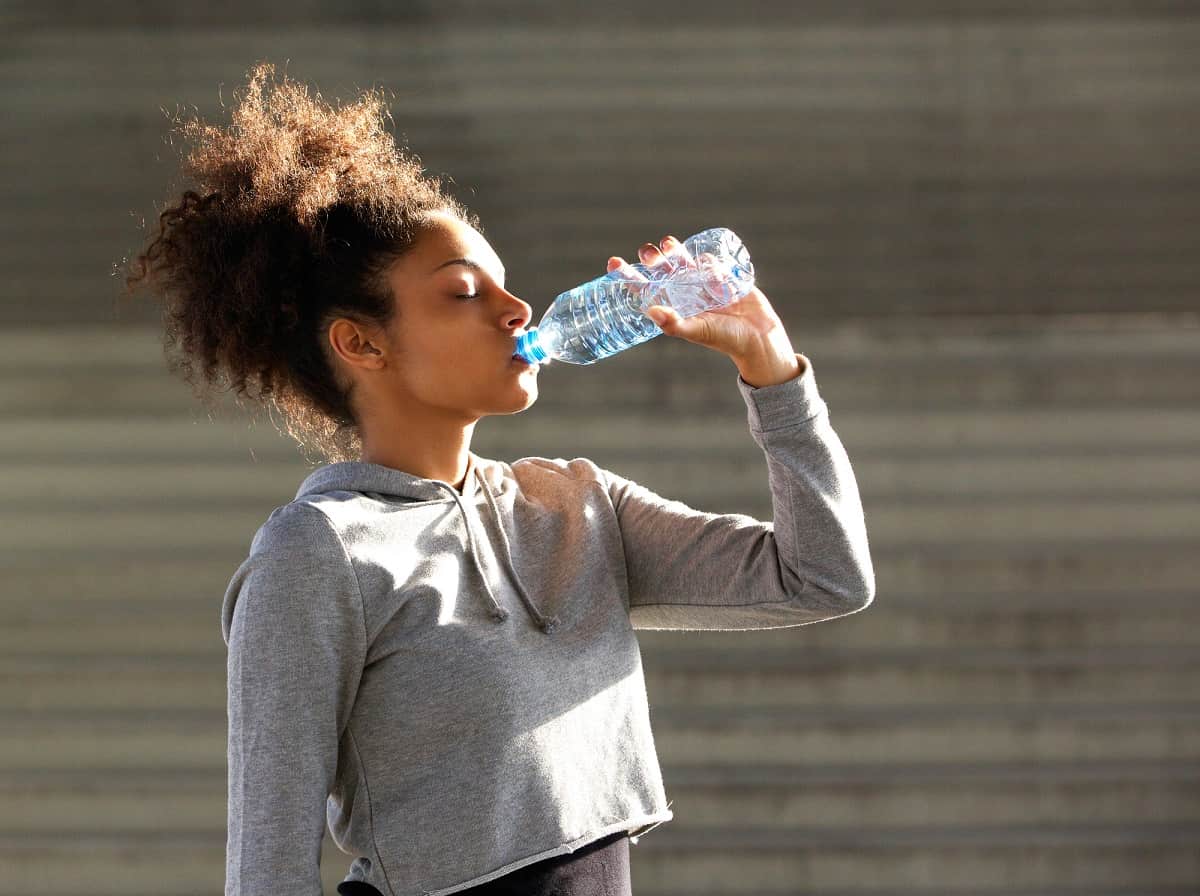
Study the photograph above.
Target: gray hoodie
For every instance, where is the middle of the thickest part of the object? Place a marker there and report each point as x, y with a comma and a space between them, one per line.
452, 680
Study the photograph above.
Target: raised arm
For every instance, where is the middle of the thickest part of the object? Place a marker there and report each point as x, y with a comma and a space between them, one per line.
693, 570
293, 622
688, 569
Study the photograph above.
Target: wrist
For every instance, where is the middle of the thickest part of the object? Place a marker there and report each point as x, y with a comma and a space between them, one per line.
770, 371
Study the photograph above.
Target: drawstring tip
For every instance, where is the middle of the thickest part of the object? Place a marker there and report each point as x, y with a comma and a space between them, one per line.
549, 624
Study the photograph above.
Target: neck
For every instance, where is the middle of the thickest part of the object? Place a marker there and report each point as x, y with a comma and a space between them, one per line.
422, 449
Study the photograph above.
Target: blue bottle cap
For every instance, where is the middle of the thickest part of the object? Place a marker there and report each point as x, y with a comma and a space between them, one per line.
529, 347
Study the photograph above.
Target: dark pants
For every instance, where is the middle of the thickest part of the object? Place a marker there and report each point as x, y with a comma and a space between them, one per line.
600, 868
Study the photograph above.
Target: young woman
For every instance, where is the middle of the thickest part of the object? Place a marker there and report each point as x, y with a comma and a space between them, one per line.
433, 652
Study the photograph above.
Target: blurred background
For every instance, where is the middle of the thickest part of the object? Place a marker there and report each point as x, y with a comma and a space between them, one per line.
979, 220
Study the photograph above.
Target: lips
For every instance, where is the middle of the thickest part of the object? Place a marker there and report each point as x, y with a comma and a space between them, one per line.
517, 356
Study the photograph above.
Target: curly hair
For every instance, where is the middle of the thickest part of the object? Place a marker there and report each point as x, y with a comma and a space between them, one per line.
298, 210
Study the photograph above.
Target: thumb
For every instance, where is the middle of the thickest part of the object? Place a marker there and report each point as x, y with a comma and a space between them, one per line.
698, 329
666, 318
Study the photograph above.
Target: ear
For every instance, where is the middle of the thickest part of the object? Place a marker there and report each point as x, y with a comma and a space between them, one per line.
357, 345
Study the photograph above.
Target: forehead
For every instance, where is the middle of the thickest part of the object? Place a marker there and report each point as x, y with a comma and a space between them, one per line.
446, 237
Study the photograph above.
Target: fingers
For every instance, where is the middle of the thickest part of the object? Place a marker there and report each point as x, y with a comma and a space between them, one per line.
623, 269
655, 262
650, 254
635, 281
671, 256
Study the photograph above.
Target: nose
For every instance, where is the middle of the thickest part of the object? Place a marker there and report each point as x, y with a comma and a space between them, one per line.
518, 313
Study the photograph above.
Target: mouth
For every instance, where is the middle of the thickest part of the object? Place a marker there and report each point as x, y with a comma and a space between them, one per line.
518, 357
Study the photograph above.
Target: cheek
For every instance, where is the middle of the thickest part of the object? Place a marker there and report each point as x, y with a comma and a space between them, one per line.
446, 367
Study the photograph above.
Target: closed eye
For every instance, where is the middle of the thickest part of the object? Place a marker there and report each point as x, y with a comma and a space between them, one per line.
473, 295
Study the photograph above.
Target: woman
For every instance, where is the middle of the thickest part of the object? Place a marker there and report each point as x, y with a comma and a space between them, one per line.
431, 651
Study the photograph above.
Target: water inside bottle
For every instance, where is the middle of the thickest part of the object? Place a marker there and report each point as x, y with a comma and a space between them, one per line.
600, 318
607, 315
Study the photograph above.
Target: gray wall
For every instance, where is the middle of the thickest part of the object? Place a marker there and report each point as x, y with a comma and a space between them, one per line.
978, 220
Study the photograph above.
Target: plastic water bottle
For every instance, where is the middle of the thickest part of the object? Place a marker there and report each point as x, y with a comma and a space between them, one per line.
607, 315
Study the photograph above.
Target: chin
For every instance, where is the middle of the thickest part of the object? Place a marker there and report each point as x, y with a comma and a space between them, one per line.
514, 404
530, 397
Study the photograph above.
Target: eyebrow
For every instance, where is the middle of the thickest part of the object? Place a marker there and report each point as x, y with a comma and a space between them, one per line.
473, 265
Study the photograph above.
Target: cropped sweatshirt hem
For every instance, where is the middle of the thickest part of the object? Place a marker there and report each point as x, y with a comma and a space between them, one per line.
562, 849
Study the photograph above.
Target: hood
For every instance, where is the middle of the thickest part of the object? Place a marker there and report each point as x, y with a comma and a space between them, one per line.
483, 477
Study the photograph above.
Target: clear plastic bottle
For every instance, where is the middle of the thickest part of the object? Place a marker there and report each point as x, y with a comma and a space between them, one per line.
607, 315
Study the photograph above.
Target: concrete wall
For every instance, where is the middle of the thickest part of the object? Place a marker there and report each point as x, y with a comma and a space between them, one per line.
978, 220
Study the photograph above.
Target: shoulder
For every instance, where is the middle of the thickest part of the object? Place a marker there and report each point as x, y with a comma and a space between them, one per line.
578, 469
300, 525
297, 565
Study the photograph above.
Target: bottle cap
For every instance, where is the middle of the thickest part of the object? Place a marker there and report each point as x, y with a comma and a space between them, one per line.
529, 347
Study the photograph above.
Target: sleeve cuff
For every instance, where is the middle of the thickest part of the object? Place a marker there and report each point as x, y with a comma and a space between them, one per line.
785, 404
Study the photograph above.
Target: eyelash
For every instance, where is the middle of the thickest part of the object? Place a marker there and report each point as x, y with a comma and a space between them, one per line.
473, 295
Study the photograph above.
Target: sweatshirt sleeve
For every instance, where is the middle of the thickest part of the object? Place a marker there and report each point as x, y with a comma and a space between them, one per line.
292, 619
692, 570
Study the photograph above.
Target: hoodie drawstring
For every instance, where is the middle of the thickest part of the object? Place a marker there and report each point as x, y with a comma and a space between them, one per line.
545, 623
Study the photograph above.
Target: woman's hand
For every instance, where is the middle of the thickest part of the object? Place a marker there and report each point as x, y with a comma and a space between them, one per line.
748, 330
